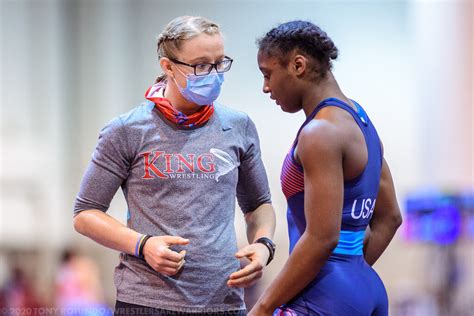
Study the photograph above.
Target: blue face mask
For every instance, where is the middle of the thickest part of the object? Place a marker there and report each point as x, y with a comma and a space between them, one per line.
202, 90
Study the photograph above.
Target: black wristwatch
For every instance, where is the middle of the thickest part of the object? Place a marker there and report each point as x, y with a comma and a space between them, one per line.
270, 245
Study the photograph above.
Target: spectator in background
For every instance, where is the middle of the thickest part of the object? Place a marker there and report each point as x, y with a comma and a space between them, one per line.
78, 289
19, 295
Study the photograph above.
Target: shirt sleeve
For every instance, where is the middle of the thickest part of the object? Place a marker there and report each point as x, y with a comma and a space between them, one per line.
252, 187
107, 170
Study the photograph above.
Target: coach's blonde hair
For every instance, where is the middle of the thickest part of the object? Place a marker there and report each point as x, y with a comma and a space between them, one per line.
180, 29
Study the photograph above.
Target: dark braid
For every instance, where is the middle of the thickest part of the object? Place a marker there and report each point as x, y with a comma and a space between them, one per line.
304, 37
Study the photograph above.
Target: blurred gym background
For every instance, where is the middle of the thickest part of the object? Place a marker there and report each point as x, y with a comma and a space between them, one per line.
69, 67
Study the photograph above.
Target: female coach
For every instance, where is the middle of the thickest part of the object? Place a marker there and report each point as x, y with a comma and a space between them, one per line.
181, 159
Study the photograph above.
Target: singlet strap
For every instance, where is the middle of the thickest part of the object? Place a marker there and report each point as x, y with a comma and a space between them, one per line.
360, 116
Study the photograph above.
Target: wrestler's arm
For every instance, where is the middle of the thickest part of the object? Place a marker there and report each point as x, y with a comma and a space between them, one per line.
385, 220
323, 178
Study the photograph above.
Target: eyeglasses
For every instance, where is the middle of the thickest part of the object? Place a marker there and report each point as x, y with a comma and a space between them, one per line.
206, 68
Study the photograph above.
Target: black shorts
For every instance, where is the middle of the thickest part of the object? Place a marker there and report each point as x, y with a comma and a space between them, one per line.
125, 309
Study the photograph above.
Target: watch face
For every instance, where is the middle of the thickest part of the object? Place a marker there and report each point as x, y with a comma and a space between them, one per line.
271, 243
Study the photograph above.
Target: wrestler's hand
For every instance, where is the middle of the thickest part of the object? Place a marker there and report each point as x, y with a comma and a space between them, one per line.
258, 255
161, 258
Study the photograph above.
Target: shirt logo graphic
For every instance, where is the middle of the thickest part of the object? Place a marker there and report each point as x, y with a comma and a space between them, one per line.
212, 165
224, 162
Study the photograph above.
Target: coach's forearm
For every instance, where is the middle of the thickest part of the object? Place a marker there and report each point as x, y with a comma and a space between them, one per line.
261, 222
106, 230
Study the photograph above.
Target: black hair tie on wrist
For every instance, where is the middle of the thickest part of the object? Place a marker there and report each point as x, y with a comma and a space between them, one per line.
142, 245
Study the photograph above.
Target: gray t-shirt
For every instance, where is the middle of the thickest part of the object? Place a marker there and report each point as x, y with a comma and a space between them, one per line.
180, 183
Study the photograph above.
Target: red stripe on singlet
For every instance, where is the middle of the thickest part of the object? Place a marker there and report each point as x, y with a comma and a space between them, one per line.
292, 178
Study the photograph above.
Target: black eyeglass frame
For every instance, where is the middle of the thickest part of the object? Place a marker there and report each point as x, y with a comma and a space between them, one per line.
211, 66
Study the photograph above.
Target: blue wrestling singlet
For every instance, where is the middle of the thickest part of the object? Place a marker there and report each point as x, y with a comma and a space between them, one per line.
346, 284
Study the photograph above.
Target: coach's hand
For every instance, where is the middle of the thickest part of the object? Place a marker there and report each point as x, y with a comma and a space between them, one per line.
161, 258
258, 255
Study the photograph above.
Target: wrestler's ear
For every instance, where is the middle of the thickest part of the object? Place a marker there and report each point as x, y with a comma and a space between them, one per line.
298, 65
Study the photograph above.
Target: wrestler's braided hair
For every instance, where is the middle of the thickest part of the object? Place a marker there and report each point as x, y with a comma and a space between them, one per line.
304, 37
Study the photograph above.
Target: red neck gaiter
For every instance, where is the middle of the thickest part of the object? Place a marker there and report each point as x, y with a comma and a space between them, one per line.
182, 120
